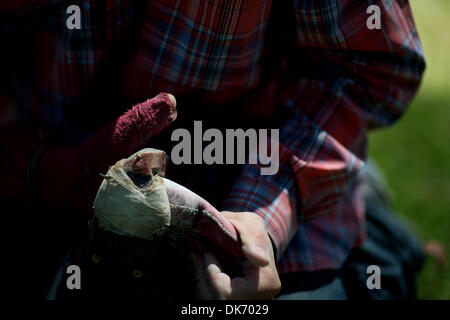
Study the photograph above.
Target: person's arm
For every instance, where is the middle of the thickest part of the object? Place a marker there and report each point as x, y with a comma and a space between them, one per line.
341, 80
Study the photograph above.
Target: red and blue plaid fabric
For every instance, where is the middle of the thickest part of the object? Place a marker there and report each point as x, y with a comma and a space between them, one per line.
338, 80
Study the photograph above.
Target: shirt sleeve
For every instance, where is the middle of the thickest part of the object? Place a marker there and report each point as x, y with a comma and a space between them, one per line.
340, 79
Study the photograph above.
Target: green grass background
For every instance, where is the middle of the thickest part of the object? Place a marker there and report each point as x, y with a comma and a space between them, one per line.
415, 153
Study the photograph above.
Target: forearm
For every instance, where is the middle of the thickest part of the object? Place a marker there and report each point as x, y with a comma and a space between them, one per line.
336, 89
315, 172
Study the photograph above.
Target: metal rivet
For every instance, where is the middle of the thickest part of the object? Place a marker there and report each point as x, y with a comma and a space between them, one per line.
137, 274
96, 258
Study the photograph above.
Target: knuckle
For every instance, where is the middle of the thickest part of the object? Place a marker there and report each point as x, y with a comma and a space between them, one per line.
277, 285
256, 218
273, 282
274, 289
261, 233
225, 295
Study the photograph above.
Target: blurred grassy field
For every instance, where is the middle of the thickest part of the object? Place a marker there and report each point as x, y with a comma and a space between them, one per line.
415, 153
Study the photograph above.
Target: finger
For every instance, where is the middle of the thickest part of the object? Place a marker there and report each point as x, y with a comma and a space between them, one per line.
243, 287
225, 287
220, 281
204, 290
173, 107
253, 235
129, 133
256, 283
150, 116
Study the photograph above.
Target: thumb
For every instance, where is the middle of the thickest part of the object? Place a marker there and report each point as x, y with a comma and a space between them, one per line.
144, 121
129, 133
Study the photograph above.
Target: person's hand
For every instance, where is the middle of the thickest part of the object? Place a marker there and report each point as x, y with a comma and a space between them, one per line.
259, 278
71, 176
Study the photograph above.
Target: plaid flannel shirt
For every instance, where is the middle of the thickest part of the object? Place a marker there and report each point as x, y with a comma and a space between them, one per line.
338, 80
